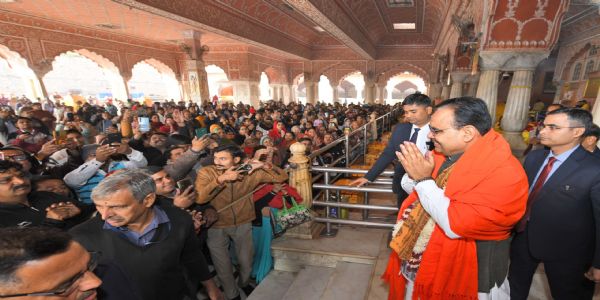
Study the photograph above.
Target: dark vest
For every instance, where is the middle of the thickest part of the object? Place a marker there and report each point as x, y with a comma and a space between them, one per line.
159, 270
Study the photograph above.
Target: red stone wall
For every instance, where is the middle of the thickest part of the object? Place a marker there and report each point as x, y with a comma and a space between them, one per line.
39, 41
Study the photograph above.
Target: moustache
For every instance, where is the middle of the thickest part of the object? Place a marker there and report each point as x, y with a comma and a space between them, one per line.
86, 294
21, 186
115, 219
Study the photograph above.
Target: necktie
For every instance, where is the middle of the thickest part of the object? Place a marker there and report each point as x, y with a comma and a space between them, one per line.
534, 193
413, 137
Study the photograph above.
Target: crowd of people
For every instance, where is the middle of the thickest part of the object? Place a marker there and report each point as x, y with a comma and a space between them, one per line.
165, 197
171, 200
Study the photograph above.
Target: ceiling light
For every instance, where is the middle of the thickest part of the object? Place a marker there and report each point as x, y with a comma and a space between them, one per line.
319, 29
401, 3
107, 26
7, 1
404, 26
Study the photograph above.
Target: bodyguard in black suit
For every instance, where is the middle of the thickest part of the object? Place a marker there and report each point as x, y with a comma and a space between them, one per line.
561, 227
417, 111
590, 140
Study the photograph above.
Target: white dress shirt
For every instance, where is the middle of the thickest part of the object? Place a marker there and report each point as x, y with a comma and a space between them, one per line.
422, 138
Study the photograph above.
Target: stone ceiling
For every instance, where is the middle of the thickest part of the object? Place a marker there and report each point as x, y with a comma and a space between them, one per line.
293, 28
109, 16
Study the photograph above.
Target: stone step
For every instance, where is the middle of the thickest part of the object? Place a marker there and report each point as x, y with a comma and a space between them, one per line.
274, 286
351, 244
310, 283
350, 281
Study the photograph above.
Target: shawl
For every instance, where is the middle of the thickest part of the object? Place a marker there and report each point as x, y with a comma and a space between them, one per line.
277, 201
488, 195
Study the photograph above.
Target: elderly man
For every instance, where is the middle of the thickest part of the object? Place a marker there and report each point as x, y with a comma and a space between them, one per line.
41, 262
155, 245
453, 233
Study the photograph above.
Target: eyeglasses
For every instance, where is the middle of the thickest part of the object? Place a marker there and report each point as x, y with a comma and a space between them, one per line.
553, 127
20, 157
67, 287
436, 131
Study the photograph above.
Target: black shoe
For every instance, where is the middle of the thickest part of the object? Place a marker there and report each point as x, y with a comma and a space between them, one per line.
248, 290
239, 297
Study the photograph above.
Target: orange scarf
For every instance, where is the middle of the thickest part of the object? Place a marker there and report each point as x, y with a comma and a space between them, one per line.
488, 194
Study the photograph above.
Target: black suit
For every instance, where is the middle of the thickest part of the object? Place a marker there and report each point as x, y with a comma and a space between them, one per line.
400, 134
596, 152
563, 228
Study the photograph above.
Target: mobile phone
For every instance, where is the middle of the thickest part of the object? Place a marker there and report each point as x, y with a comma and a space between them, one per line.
244, 168
200, 132
183, 184
144, 124
113, 138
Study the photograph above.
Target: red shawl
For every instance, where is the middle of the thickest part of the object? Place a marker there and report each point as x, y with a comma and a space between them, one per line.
277, 201
488, 194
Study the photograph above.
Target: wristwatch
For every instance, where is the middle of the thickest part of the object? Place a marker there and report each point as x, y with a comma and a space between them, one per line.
423, 179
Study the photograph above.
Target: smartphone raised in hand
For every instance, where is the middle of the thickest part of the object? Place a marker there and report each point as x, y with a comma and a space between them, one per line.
183, 184
144, 124
244, 168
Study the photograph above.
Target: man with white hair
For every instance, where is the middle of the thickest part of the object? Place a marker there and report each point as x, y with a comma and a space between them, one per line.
155, 245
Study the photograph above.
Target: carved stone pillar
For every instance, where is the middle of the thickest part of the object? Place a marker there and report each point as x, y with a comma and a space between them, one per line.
558, 94
473, 83
369, 91
310, 91
458, 78
445, 92
487, 90
515, 114
275, 92
336, 93
281, 93
195, 77
435, 90
292, 95
246, 92
381, 96
40, 69
301, 179
126, 77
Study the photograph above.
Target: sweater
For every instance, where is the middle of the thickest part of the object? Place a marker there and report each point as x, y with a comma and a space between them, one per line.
165, 269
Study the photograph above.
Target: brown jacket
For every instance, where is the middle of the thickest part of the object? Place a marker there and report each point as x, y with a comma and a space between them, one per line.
219, 196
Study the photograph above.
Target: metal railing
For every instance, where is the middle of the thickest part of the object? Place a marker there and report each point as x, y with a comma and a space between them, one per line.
355, 145
380, 186
355, 140
383, 124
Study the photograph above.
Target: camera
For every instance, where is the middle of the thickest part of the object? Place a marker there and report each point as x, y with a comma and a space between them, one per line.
244, 168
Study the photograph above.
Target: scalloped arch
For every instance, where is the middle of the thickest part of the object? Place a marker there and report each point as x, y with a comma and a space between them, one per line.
158, 65
100, 60
390, 72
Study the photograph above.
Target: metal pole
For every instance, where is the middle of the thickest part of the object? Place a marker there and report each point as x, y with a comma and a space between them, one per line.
348, 151
329, 232
365, 214
365, 144
353, 222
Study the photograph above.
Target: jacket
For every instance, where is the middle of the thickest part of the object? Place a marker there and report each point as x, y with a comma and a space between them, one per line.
564, 222
219, 196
